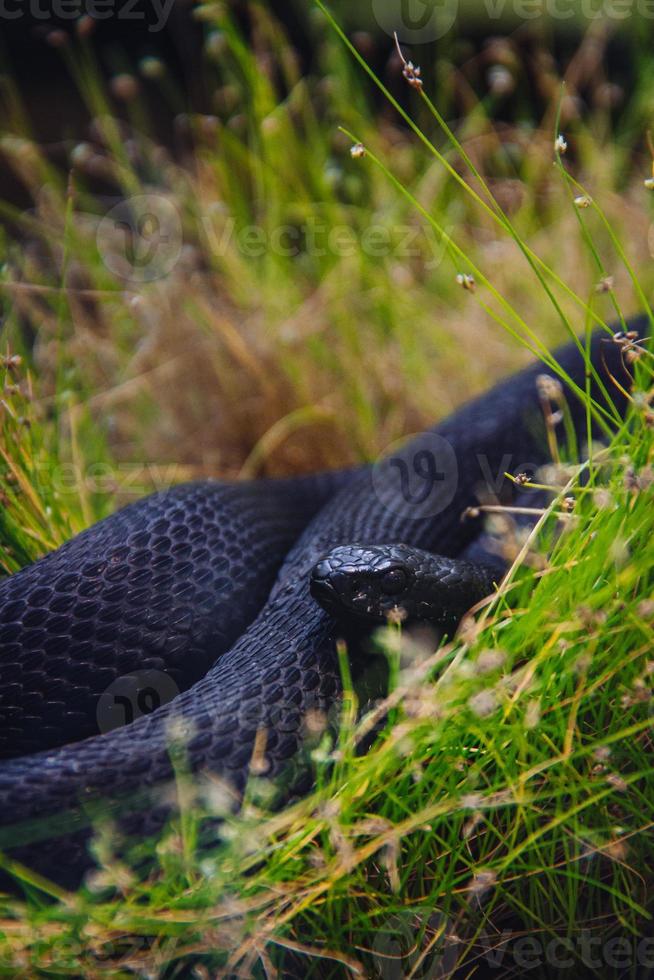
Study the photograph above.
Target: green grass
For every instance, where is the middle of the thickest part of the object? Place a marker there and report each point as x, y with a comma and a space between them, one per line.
511, 792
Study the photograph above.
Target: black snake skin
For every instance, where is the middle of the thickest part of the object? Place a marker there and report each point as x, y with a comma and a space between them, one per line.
283, 664
161, 588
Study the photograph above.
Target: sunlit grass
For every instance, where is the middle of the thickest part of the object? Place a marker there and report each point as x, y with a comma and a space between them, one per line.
512, 793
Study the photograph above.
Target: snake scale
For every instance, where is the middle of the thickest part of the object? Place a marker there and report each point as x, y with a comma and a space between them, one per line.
209, 584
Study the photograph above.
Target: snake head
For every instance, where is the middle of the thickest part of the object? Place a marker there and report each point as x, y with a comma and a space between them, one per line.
371, 583
365, 582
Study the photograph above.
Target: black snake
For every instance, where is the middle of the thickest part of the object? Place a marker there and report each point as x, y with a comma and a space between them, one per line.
208, 586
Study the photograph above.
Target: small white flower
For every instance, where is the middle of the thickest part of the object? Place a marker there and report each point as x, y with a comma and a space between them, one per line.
617, 782
532, 715
357, 151
560, 144
603, 499
490, 660
483, 703
500, 80
466, 282
549, 387
81, 154
605, 285
482, 882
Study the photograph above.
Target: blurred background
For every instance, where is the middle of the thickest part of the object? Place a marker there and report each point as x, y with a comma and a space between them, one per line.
201, 278
122, 34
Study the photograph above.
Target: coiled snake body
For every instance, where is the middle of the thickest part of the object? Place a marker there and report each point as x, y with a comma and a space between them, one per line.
180, 584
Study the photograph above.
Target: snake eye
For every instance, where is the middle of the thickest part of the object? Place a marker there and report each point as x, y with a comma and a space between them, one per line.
393, 581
